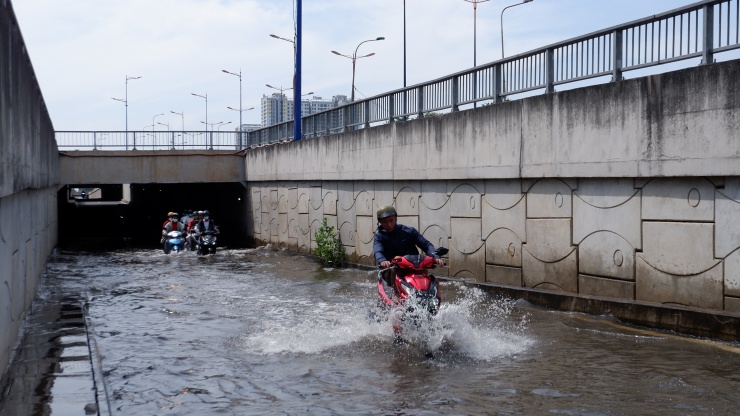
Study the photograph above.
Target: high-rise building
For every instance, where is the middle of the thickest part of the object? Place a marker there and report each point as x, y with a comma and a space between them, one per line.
278, 108
245, 140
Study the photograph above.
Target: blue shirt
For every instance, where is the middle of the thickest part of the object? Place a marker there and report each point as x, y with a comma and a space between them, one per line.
402, 241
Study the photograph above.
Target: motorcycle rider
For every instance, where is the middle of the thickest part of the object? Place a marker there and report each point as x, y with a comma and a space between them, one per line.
192, 240
206, 224
186, 218
395, 240
172, 224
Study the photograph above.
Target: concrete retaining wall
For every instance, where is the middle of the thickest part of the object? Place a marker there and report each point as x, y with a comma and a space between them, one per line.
29, 172
682, 123
670, 241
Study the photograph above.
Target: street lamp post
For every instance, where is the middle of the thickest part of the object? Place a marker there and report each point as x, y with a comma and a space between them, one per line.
241, 144
236, 109
210, 147
221, 124
125, 101
404, 60
354, 58
475, 47
205, 97
182, 134
502, 24
297, 132
309, 101
153, 122
281, 89
475, 30
241, 131
181, 115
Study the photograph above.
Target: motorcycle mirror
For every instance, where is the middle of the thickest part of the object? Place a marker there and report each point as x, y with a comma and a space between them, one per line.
441, 251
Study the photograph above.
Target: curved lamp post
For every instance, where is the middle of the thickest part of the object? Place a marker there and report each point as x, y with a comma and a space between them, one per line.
297, 130
155, 123
502, 23
475, 47
182, 134
205, 97
354, 58
125, 101
240, 102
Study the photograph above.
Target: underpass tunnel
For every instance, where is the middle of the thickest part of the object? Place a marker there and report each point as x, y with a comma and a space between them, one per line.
131, 215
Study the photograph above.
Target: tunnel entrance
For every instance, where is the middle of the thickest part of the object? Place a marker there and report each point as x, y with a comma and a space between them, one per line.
132, 215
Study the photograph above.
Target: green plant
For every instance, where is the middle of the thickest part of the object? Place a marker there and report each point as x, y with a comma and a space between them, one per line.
329, 249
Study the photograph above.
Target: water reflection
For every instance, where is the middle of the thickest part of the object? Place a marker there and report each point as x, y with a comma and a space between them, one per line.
264, 332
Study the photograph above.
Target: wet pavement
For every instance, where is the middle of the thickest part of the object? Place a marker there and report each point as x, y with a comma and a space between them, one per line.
137, 332
54, 367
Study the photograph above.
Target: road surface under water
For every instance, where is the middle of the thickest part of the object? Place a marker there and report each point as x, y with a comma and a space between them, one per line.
268, 332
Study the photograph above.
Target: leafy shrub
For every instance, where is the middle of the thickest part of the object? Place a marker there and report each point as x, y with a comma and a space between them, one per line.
329, 249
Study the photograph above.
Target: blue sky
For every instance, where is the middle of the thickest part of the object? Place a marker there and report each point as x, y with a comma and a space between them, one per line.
82, 50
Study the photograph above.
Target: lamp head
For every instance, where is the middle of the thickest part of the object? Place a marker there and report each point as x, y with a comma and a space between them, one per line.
382, 38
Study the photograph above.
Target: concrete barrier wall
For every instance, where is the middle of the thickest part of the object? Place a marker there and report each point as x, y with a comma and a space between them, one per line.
29, 173
681, 123
627, 191
668, 241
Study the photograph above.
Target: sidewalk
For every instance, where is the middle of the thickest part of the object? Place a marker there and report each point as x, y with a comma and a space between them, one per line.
54, 366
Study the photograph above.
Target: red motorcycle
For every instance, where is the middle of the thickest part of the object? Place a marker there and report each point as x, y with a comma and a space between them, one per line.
411, 288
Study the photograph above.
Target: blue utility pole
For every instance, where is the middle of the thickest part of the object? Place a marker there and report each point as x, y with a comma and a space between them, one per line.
297, 134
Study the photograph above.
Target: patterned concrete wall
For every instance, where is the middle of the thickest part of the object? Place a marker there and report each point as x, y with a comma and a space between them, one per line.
672, 241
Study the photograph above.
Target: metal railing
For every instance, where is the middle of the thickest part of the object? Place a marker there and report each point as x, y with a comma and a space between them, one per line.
702, 29
148, 140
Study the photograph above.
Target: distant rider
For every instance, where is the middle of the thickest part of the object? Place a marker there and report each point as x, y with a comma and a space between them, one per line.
206, 224
164, 225
172, 224
186, 218
192, 240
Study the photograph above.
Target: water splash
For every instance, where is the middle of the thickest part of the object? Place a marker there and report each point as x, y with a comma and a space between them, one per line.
470, 324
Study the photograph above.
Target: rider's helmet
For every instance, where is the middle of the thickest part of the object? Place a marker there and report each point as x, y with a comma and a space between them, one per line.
386, 211
174, 215
169, 214
206, 213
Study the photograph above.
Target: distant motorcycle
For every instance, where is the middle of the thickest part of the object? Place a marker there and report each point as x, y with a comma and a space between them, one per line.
174, 242
207, 243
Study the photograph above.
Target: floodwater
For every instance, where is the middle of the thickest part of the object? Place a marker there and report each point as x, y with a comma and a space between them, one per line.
257, 331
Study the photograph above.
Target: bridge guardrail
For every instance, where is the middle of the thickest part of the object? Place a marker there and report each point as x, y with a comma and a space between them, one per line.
148, 140
700, 29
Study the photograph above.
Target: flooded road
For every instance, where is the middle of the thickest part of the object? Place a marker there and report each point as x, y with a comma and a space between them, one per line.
268, 332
